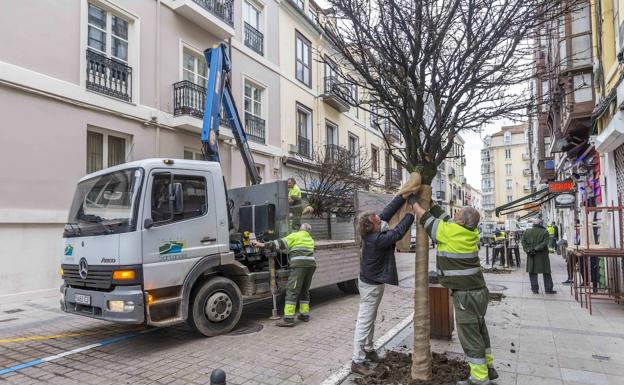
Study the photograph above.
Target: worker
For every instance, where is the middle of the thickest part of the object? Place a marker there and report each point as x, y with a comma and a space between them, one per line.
552, 241
295, 203
301, 266
499, 246
459, 269
535, 244
377, 268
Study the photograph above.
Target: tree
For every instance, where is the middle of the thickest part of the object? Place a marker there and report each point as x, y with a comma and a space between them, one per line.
335, 174
437, 68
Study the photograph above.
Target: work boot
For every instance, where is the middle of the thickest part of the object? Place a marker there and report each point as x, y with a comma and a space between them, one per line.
361, 369
372, 356
566, 282
471, 381
492, 373
551, 292
304, 317
535, 291
285, 323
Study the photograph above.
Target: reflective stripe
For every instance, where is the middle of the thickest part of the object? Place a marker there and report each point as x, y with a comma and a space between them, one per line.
276, 244
445, 217
458, 255
429, 221
454, 273
289, 310
434, 230
478, 372
477, 361
306, 249
302, 257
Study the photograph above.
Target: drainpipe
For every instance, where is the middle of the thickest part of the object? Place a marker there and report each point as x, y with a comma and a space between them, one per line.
157, 75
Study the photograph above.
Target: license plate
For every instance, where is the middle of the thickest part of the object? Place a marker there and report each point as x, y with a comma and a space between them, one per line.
83, 299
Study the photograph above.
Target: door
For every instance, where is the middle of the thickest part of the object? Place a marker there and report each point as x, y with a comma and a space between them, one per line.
183, 210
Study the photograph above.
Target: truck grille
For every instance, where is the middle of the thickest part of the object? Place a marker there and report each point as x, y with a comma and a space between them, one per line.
98, 277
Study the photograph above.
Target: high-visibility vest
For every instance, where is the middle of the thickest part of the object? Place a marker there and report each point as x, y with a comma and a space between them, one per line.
300, 248
457, 261
551, 230
295, 193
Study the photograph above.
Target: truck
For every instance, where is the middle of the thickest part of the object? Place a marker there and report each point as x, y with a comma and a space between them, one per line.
163, 241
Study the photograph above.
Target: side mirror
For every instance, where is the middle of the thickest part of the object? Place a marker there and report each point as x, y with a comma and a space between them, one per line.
178, 198
148, 223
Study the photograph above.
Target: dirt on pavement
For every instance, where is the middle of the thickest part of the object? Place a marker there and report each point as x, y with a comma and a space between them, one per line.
395, 369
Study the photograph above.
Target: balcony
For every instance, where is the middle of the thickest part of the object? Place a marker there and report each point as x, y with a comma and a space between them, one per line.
391, 132
462, 179
214, 16
254, 39
393, 178
303, 146
108, 76
254, 128
488, 206
189, 101
451, 173
526, 188
337, 94
546, 170
440, 195
334, 153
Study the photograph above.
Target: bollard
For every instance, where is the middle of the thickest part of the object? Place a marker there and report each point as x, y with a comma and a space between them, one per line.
487, 253
217, 377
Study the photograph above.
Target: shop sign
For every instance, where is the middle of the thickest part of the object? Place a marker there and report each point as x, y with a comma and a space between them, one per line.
565, 201
564, 186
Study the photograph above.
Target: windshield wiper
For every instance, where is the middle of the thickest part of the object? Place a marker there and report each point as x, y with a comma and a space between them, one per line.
90, 218
74, 228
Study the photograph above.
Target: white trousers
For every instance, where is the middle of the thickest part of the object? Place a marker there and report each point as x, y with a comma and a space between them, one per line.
370, 297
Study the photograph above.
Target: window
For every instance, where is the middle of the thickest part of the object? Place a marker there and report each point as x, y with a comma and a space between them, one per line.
354, 150
619, 33
253, 99
194, 194
331, 133
107, 33
191, 154
507, 137
304, 130
375, 159
303, 70
581, 51
260, 170
509, 184
194, 68
252, 22
252, 15
373, 114
104, 150
313, 13
507, 153
582, 88
508, 169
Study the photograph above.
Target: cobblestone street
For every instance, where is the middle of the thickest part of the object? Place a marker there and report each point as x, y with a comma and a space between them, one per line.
256, 352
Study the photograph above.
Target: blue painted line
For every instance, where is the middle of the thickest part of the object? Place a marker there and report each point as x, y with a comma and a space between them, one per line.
55, 357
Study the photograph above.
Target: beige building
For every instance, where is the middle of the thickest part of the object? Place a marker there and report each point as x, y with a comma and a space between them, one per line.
449, 185
95, 83
505, 172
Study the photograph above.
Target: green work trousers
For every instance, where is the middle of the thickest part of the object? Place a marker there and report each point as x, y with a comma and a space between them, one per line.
470, 309
295, 212
298, 288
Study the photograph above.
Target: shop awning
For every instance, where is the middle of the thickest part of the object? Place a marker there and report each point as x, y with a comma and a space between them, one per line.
531, 202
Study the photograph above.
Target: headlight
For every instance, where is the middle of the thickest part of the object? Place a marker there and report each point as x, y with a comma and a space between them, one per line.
120, 306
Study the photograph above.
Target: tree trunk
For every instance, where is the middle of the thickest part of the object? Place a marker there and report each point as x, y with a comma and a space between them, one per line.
421, 357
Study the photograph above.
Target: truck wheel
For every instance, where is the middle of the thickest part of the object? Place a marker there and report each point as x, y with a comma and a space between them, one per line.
216, 307
349, 287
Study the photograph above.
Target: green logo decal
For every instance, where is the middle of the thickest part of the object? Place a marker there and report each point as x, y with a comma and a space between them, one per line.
69, 250
171, 247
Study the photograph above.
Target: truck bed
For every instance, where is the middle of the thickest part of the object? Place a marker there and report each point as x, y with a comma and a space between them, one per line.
336, 261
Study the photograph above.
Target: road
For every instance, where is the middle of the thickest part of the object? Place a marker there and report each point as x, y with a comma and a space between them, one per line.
39, 344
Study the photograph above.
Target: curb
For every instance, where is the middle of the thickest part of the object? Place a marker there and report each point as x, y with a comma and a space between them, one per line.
345, 370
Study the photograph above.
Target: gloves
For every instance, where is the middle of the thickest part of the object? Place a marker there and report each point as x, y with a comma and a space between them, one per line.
411, 199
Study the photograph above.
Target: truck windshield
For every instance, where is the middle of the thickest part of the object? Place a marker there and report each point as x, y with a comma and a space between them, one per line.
105, 204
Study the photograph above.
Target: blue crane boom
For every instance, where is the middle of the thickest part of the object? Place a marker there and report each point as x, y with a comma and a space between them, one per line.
219, 93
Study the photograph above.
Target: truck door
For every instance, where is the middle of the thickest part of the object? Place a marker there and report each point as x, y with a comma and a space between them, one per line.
179, 227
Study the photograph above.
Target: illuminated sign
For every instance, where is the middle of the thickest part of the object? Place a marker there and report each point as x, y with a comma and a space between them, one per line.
563, 186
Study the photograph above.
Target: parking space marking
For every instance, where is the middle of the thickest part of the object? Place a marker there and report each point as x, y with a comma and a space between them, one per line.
55, 357
39, 338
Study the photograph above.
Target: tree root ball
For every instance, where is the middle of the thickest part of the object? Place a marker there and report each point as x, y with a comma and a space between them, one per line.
395, 370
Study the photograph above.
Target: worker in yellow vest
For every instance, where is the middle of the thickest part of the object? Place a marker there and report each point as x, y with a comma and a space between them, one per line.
295, 203
459, 269
301, 266
552, 240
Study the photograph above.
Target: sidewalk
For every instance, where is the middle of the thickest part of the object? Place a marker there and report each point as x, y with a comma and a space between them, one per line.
545, 339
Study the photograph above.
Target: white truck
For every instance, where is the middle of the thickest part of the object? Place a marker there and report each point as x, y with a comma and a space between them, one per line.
161, 241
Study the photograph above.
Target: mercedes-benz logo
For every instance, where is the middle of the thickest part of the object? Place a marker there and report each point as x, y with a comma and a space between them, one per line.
83, 268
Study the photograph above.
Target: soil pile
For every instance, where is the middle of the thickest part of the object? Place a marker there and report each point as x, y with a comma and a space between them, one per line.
395, 370
496, 271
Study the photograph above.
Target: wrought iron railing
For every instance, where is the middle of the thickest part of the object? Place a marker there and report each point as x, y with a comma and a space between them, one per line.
220, 8
393, 177
254, 39
333, 86
303, 146
189, 99
109, 76
391, 130
254, 128
334, 153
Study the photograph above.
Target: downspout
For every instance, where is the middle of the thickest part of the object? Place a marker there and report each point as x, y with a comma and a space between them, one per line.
157, 75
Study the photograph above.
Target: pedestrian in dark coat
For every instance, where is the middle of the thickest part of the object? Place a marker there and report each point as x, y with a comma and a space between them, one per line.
535, 243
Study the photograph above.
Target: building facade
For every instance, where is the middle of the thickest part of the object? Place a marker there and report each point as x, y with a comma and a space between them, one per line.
104, 82
505, 173
449, 185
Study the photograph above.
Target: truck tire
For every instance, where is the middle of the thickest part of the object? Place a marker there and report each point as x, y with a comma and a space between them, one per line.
349, 287
216, 307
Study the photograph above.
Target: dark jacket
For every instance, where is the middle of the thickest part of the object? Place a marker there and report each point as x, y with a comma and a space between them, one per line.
378, 264
535, 244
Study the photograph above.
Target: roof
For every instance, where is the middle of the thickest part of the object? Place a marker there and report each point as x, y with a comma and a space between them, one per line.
517, 129
152, 163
